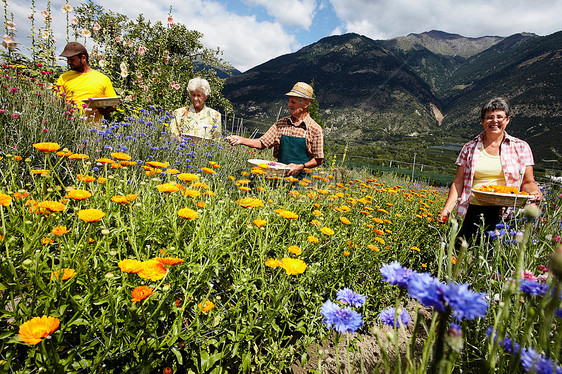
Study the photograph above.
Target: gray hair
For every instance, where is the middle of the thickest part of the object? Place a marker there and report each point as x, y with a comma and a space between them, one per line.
199, 84
497, 103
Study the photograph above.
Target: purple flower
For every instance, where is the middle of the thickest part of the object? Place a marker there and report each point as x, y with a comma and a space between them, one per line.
465, 303
348, 297
389, 317
395, 274
427, 290
342, 320
537, 363
533, 288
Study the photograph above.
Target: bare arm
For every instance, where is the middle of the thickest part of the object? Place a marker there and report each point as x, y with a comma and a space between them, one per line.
530, 186
239, 140
454, 193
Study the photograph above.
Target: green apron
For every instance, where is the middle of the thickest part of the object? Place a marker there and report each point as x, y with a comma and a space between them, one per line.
292, 150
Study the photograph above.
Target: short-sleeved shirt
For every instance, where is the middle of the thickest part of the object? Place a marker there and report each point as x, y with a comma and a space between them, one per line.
205, 125
78, 86
515, 156
307, 128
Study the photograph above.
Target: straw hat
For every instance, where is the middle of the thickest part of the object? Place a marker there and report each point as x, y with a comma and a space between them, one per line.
301, 89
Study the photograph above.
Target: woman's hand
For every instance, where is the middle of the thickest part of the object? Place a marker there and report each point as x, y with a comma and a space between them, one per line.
443, 216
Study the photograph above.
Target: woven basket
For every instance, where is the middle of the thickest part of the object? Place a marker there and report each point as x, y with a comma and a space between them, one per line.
500, 199
102, 102
275, 169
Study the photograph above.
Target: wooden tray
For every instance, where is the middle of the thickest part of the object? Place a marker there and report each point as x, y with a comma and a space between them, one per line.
102, 102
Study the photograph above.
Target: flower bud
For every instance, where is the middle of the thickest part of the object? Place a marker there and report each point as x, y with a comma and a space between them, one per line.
531, 211
105, 231
454, 337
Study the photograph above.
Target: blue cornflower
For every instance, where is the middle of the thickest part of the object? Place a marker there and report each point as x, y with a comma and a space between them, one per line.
348, 297
537, 363
389, 317
533, 288
465, 303
395, 274
341, 319
427, 290
95, 168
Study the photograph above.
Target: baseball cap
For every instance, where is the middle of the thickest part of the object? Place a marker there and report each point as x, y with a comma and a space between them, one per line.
73, 49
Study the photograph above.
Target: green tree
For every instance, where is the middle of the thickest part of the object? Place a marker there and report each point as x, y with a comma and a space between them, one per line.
314, 110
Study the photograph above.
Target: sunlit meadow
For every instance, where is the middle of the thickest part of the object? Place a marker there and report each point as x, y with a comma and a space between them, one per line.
124, 250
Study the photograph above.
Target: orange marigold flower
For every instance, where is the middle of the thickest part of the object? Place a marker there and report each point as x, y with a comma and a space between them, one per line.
37, 328
380, 240
293, 266
346, 253
85, 178
121, 156
378, 232
206, 306
128, 163
327, 231
63, 274
291, 179
169, 261
288, 214
244, 188
120, 199
168, 187
78, 194
273, 263
191, 193
156, 164
260, 222
140, 293
201, 204
208, 170
46, 241
316, 212
52, 206
101, 180
315, 222
47, 146
90, 215
59, 230
188, 177
78, 156
152, 269
172, 171
295, 250
373, 248
5, 200
188, 213
312, 239
105, 160
345, 221
249, 202
415, 249
131, 196
39, 172
130, 265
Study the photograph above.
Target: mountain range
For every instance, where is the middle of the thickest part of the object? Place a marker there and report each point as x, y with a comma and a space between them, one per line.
426, 86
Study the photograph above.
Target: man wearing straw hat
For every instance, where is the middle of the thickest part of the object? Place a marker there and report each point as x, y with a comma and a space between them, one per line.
83, 82
296, 140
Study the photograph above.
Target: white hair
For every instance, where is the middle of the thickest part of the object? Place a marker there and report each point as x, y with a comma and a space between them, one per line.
199, 84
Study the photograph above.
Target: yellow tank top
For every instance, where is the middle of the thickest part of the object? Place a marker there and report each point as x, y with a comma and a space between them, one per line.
488, 171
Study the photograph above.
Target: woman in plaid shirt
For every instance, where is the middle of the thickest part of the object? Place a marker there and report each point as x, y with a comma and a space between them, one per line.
492, 158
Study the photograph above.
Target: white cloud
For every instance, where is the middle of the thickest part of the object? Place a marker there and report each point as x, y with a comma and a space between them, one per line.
292, 13
383, 19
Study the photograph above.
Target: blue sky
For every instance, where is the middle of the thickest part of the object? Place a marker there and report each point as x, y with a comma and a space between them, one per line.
251, 32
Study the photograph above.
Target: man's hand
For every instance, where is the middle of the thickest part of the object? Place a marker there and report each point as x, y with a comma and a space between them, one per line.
294, 169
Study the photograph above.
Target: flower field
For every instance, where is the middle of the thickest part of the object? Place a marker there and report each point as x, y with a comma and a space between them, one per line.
124, 250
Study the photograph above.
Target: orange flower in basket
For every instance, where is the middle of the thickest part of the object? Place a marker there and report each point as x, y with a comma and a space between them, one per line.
37, 328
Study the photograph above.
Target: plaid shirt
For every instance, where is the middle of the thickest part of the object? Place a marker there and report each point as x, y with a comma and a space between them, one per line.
307, 128
515, 155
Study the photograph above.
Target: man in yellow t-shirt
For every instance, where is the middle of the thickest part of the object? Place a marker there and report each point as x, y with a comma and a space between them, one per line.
83, 82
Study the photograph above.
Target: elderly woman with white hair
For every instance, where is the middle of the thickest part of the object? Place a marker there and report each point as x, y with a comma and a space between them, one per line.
197, 121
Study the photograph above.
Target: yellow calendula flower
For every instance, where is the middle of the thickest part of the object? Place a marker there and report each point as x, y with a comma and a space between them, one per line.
327, 231
373, 248
130, 265
168, 187
191, 193
78, 156
249, 202
78, 194
380, 240
273, 263
415, 249
293, 266
153, 270
91, 215
38, 328
287, 214
120, 199
63, 274
208, 170
260, 222
345, 221
295, 250
5, 200
140, 293
206, 306
59, 230
156, 164
312, 239
187, 177
315, 222
121, 156
188, 213
51, 206
47, 146
316, 212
